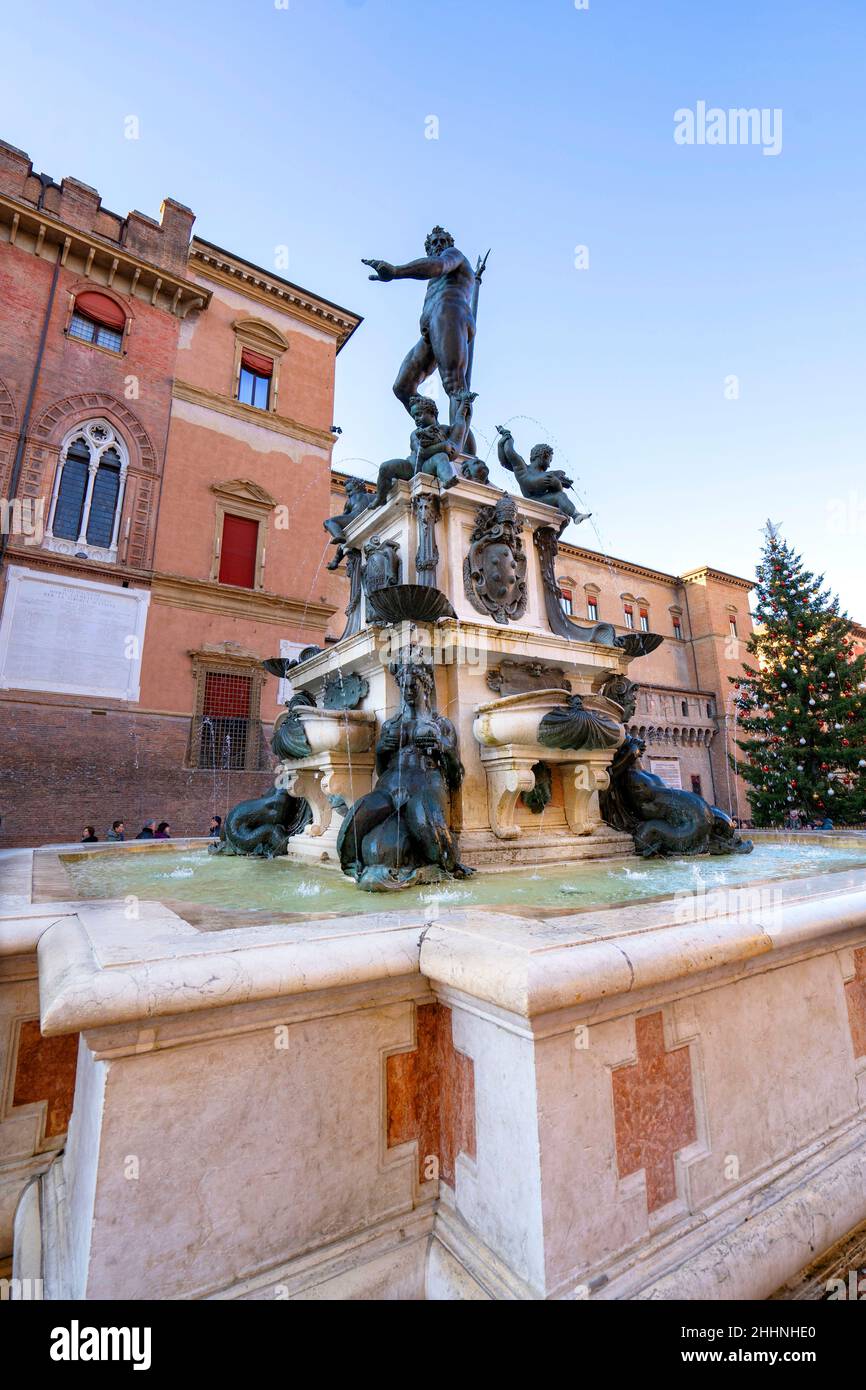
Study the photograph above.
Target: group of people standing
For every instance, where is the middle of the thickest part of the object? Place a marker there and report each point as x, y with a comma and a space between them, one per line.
151, 830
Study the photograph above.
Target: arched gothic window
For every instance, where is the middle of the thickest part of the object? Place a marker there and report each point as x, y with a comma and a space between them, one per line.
88, 493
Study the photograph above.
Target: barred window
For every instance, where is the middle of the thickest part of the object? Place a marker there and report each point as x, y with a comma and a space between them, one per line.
226, 732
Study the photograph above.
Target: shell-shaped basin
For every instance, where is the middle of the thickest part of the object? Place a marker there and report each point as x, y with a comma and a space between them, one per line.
515, 718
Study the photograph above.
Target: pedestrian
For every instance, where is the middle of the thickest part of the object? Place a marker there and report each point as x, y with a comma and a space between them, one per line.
89, 837
147, 831
215, 827
117, 831
163, 831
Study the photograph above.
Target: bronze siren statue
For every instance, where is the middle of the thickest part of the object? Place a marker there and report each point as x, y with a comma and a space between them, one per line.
398, 834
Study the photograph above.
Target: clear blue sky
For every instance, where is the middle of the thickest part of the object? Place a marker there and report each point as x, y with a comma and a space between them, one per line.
305, 126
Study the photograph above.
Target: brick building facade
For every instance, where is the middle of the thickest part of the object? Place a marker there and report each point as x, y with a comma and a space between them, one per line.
165, 440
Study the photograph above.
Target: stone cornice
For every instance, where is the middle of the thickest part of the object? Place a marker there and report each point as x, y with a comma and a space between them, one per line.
180, 591
225, 654
97, 259
260, 284
55, 563
683, 690
720, 576
266, 420
629, 567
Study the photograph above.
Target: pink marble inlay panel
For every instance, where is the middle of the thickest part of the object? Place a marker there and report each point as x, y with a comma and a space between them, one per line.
855, 997
654, 1111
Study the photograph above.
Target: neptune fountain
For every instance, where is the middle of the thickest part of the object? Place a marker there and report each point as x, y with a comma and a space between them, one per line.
624, 1070
374, 779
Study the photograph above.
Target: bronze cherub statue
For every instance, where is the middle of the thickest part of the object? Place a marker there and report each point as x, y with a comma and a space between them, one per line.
537, 480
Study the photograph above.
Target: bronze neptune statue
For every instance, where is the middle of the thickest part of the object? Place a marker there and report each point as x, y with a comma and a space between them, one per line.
447, 321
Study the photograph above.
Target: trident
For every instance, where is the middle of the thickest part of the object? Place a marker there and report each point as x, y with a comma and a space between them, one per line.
479, 271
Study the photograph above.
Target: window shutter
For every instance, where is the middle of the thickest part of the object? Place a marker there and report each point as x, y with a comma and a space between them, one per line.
240, 544
101, 309
257, 362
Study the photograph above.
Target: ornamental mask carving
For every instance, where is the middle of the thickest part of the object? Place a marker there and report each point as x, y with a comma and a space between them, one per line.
494, 571
624, 693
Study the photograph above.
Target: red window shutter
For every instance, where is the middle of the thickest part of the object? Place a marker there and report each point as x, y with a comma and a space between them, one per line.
101, 309
644, 612
627, 608
256, 362
226, 696
238, 552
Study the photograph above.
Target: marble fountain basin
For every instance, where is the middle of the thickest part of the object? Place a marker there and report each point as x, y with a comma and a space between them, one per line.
514, 719
337, 730
237, 889
649, 1023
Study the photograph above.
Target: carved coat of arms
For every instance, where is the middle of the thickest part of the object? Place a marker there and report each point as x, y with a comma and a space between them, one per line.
494, 571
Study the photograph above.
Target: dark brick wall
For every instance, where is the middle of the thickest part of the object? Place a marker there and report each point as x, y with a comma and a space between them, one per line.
62, 766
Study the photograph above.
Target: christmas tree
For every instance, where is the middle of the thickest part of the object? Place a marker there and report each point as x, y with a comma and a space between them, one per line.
801, 703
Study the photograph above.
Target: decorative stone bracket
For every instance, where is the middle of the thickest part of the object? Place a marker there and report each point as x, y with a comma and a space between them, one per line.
322, 779
509, 770
507, 730
339, 768
581, 783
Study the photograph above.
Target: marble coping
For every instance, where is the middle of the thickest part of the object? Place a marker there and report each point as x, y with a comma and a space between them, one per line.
531, 972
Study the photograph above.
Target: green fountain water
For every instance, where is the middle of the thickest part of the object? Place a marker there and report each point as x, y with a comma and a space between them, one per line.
279, 886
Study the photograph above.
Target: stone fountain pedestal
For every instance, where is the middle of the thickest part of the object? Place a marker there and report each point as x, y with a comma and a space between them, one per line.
497, 673
483, 1106
337, 771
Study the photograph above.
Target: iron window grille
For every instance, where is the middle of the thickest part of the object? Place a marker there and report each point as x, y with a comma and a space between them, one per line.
226, 732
